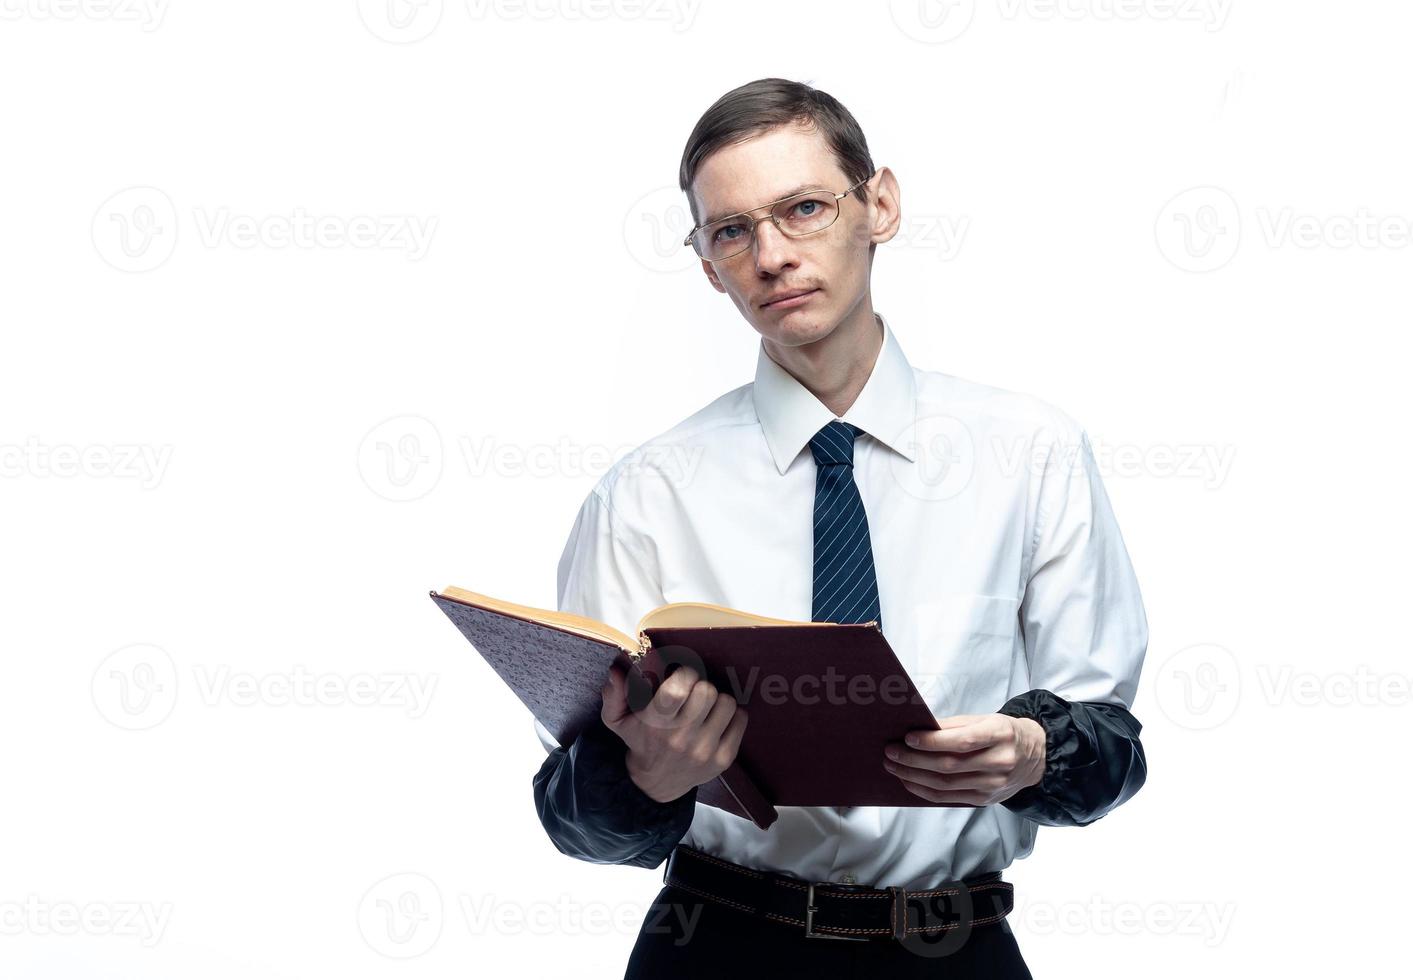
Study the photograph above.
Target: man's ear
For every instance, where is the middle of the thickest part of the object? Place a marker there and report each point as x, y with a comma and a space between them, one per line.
887, 207
710, 271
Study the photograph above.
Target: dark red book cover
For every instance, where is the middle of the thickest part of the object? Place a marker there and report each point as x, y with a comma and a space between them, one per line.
823, 699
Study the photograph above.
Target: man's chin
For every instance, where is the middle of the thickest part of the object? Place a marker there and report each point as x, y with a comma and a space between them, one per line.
797, 329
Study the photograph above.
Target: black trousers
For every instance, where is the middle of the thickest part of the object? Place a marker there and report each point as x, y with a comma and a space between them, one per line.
685, 937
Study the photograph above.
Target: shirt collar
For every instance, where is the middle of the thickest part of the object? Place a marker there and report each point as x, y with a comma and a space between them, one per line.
790, 414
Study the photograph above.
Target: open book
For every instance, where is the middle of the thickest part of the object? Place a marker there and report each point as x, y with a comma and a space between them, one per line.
823, 698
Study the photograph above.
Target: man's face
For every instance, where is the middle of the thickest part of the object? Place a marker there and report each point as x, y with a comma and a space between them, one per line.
833, 263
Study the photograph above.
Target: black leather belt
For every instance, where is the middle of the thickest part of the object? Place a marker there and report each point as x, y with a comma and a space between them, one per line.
831, 910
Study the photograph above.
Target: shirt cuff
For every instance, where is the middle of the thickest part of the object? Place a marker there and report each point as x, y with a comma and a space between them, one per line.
593, 811
612, 790
1093, 759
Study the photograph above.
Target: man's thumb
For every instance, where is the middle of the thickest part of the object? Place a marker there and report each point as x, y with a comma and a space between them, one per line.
615, 697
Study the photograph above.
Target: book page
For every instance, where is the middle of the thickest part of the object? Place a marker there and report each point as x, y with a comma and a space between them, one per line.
700, 614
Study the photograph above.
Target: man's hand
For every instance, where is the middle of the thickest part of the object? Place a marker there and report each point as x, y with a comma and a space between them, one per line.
687, 735
974, 760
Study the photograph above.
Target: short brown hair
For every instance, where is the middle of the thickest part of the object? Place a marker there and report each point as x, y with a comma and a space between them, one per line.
764, 104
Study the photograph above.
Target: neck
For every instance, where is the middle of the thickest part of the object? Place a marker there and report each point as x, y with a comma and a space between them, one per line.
836, 367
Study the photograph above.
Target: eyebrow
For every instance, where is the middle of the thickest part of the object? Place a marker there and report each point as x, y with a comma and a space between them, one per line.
779, 197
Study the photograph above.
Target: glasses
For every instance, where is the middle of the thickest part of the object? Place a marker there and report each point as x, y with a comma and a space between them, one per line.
796, 216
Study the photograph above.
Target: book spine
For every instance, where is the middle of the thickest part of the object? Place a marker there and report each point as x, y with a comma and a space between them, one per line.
748, 796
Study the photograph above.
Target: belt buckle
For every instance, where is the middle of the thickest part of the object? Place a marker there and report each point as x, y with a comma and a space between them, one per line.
810, 910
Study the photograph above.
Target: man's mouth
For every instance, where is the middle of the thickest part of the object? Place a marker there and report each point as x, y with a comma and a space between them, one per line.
792, 297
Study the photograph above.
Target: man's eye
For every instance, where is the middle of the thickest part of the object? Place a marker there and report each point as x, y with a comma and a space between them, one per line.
727, 233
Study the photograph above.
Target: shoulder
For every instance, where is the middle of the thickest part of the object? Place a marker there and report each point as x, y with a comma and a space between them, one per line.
669, 459
989, 411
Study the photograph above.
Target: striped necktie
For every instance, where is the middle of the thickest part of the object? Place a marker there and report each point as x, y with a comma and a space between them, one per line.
845, 585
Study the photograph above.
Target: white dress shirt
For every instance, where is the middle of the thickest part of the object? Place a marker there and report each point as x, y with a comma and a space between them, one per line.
1000, 569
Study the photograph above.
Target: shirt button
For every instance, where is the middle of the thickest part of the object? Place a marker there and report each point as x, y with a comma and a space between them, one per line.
848, 878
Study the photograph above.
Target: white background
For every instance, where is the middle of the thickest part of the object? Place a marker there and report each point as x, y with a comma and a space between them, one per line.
326, 428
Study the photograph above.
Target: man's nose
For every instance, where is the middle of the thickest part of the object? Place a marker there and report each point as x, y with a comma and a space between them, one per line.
773, 249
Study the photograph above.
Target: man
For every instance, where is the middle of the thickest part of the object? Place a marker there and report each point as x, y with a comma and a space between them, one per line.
845, 485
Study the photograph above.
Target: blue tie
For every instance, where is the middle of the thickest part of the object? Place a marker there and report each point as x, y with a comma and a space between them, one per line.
845, 585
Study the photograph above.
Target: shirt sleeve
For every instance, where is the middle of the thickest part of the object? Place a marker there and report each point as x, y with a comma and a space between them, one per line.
1086, 635
589, 806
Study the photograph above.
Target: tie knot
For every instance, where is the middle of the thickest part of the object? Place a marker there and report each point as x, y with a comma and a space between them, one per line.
834, 443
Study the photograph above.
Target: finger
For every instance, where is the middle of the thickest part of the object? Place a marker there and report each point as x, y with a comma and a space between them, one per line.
981, 732
997, 758
615, 695
735, 731
681, 711
957, 721
980, 781
671, 695
698, 705
719, 716
947, 797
